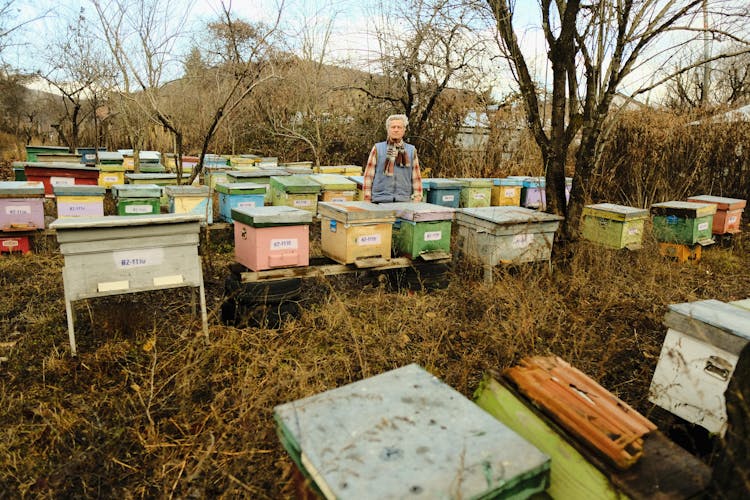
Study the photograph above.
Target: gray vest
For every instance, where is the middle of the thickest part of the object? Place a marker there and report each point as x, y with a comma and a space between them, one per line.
398, 187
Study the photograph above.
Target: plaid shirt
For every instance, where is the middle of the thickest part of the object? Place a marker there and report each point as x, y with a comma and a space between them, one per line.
369, 176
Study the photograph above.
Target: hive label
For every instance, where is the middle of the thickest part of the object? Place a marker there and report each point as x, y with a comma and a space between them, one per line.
448, 197
702, 226
284, 244
110, 179
433, 235
302, 203
10, 243
18, 210
633, 231
368, 239
62, 181
522, 240
732, 219
510, 193
139, 258
139, 209
479, 196
246, 204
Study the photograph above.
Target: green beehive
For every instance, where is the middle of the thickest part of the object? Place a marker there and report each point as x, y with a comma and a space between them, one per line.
683, 222
421, 229
614, 226
298, 191
475, 193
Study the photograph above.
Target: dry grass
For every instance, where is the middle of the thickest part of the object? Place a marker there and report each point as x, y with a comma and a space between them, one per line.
149, 410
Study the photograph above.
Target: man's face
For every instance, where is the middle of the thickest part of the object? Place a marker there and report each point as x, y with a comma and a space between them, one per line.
396, 130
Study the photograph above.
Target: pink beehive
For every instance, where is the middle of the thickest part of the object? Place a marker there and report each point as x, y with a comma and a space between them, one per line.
271, 237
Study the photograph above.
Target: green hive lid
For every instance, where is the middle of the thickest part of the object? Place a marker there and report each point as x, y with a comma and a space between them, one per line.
334, 182
444, 183
475, 182
353, 211
79, 190
406, 434
271, 216
153, 176
17, 188
301, 184
241, 188
721, 202
136, 190
186, 190
155, 168
419, 211
687, 209
617, 212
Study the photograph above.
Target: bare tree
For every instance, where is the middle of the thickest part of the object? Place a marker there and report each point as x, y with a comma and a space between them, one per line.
592, 49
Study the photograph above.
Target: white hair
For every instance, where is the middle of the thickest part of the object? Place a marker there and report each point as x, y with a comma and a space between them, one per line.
401, 118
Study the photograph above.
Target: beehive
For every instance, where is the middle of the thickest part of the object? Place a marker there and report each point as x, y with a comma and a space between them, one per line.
21, 206
257, 176
475, 193
534, 194
506, 192
110, 175
356, 231
494, 235
728, 214
404, 434
271, 237
137, 199
61, 174
335, 187
79, 201
421, 230
298, 191
683, 222
190, 200
445, 192
698, 357
239, 195
614, 226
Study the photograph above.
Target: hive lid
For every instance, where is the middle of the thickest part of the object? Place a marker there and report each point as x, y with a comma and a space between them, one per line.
186, 190
615, 212
509, 181
404, 434
109, 156
16, 188
356, 211
66, 223
438, 183
420, 212
256, 174
686, 209
241, 188
534, 182
359, 180
334, 182
79, 190
56, 165
712, 321
600, 420
721, 202
271, 216
475, 182
136, 190
300, 184
506, 215
111, 167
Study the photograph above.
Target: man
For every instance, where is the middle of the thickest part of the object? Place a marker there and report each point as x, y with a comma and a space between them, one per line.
392, 171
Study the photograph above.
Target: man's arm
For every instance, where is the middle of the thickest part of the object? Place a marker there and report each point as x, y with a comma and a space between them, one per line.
369, 174
416, 180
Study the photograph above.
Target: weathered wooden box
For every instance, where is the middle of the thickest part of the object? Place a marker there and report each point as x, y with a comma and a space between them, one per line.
79, 201
137, 199
14, 243
406, 434
683, 222
494, 235
61, 174
21, 205
355, 230
506, 192
298, 191
421, 230
271, 237
445, 192
190, 200
335, 187
728, 214
698, 357
239, 195
475, 193
115, 255
614, 226
32, 151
